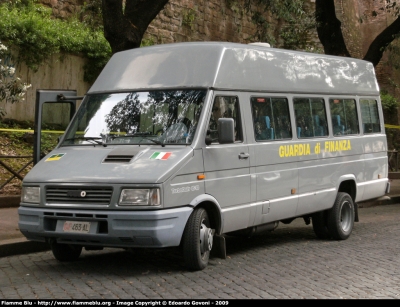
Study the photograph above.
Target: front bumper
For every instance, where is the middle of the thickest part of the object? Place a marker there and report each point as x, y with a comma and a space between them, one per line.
158, 228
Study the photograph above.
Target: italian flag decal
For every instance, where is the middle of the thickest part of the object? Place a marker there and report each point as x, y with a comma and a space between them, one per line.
159, 155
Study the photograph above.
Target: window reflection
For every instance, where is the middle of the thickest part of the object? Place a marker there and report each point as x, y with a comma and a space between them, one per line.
165, 117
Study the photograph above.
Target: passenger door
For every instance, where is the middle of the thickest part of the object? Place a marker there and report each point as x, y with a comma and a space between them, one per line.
275, 169
227, 166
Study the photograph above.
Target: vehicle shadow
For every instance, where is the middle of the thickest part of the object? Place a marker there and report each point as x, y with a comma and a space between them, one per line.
142, 262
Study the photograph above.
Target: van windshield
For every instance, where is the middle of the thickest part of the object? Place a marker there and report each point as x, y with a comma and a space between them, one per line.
155, 117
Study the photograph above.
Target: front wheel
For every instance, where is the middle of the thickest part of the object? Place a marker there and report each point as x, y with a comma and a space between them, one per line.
340, 219
66, 252
197, 240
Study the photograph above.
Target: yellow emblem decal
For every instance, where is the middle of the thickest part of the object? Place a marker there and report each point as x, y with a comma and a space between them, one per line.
55, 157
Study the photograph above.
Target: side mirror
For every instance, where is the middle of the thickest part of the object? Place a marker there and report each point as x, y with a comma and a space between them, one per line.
226, 131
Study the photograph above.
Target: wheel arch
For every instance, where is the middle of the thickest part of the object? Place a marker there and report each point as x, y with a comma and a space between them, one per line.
348, 185
211, 205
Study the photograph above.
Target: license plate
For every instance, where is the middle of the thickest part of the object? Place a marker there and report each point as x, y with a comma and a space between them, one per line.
74, 226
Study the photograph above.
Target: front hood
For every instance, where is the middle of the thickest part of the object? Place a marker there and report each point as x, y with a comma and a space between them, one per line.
117, 164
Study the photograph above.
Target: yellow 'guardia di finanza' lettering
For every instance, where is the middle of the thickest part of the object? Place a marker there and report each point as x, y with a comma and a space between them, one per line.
340, 145
294, 150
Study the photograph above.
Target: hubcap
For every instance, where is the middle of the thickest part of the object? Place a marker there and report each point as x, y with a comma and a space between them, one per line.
345, 216
206, 238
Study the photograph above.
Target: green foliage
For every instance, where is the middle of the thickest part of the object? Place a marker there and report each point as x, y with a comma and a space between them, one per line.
14, 141
22, 142
291, 27
296, 33
91, 15
188, 17
264, 32
48, 142
37, 35
394, 53
147, 42
389, 103
389, 106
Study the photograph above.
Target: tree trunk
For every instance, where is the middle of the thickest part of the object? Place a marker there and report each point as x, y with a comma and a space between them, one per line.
328, 28
378, 46
124, 26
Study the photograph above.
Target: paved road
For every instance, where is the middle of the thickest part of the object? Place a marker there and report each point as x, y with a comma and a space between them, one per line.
289, 263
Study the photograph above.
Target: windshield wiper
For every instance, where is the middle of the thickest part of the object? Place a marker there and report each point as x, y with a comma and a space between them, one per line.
154, 141
87, 138
143, 135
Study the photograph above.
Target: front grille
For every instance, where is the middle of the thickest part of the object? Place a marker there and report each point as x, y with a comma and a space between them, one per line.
79, 195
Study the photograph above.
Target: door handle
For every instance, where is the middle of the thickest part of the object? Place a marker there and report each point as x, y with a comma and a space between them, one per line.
244, 155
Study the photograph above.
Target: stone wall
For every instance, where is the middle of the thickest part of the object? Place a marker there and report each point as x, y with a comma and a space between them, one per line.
185, 20
201, 20
64, 8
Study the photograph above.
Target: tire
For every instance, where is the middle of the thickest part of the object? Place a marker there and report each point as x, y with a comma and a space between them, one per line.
340, 219
319, 221
66, 252
197, 240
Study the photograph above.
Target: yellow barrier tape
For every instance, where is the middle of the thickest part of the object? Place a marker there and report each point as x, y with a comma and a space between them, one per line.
51, 131
29, 130
392, 126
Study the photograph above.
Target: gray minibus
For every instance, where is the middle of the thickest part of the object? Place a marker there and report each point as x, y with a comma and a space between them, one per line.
181, 145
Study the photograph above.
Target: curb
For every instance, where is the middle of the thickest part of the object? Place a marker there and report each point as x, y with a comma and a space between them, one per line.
394, 175
21, 246
10, 201
385, 200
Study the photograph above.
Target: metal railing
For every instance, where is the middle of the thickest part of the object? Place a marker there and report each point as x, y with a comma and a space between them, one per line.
14, 173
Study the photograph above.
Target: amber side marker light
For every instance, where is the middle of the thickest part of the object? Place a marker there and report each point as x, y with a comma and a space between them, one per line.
201, 177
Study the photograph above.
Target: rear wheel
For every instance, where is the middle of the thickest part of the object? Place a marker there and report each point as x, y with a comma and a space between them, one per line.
66, 252
319, 221
340, 219
197, 240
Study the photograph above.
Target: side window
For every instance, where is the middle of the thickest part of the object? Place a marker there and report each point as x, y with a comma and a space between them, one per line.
225, 107
344, 116
370, 116
271, 119
310, 117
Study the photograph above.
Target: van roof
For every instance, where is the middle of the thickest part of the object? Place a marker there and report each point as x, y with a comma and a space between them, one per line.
233, 66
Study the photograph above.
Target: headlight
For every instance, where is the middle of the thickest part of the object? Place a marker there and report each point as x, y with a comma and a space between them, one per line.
139, 197
30, 195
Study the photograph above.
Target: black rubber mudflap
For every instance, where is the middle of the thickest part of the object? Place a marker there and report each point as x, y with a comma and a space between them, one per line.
219, 247
356, 213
